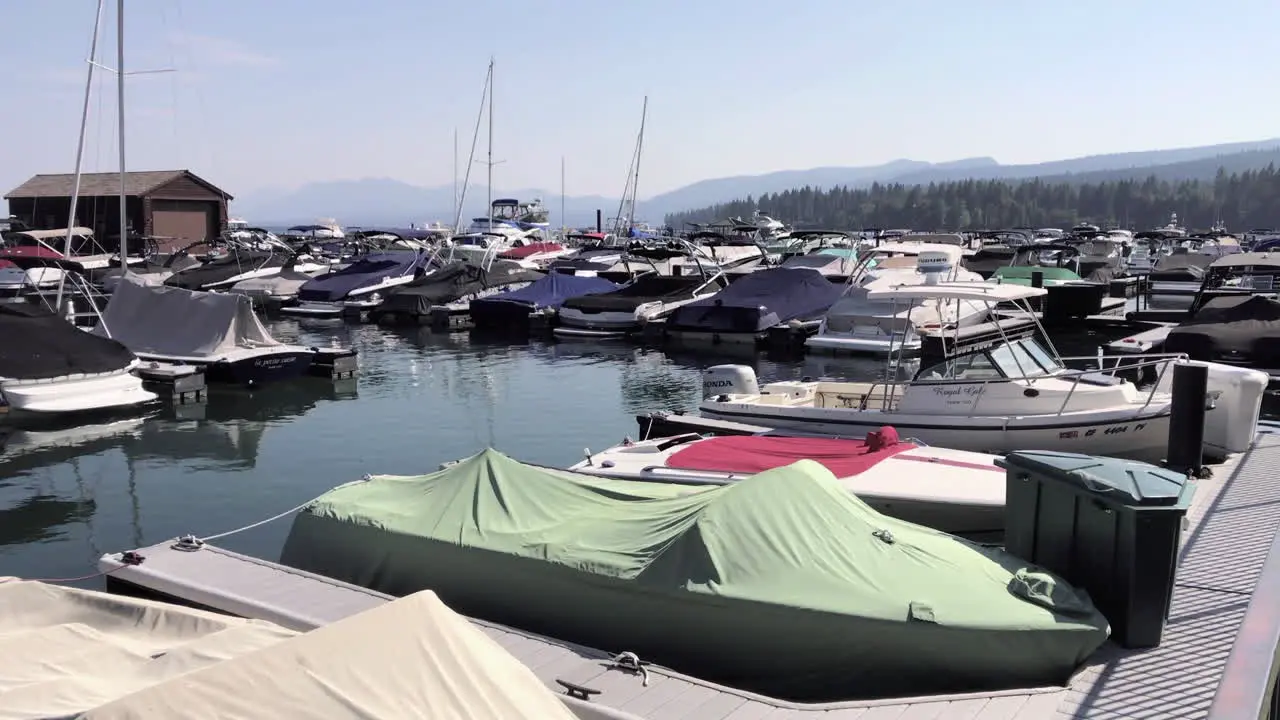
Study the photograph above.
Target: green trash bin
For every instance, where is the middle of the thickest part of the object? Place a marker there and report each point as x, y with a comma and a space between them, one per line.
1110, 526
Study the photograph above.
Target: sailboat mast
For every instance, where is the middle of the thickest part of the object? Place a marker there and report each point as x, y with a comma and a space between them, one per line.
635, 182
84, 122
490, 181
562, 220
455, 173
124, 220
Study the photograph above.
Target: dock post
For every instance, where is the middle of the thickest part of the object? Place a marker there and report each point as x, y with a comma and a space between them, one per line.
1037, 279
1186, 418
599, 221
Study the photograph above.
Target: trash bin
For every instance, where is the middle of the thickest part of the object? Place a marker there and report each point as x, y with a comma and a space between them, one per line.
1109, 526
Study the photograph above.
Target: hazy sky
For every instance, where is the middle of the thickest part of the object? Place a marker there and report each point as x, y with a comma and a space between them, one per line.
276, 93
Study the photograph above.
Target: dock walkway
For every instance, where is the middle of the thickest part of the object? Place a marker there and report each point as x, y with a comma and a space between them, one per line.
1231, 530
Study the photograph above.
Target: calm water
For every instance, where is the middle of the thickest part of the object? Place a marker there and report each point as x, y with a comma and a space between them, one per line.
421, 399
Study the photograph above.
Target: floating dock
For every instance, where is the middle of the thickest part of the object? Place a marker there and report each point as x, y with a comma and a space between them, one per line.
1217, 659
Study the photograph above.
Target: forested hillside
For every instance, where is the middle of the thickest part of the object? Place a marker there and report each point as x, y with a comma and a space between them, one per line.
1242, 200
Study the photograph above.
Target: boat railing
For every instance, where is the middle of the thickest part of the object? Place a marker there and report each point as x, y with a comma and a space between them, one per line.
1123, 363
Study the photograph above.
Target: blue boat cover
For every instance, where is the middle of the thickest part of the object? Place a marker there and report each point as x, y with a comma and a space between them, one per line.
368, 270
552, 290
759, 301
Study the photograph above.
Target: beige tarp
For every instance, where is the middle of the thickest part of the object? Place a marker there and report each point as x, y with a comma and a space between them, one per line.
412, 658
64, 651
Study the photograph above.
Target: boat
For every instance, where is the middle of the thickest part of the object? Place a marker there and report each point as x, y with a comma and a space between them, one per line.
510, 212
999, 396
744, 311
859, 325
217, 332
49, 366
630, 307
233, 263
510, 311
360, 286
97, 656
782, 584
535, 255
456, 283
954, 491
1239, 330
273, 290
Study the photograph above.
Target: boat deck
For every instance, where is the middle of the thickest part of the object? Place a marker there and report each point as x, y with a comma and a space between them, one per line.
1231, 529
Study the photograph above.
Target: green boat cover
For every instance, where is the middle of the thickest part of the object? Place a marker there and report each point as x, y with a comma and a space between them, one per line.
1021, 275
784, 583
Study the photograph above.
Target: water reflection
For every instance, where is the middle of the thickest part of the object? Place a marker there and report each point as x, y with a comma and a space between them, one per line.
39, 517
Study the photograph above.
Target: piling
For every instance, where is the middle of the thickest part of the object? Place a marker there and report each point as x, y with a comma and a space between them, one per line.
1186, 418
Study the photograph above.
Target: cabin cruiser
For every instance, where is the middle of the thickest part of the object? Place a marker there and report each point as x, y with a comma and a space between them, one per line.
512, 213
997, 397
49, 366
856, 324
954, 491
627, 309
217, 332
360, 286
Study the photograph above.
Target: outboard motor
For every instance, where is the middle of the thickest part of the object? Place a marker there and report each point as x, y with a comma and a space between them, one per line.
934, 265
729, 380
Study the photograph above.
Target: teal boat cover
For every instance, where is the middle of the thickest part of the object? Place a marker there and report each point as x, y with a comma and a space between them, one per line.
783, 584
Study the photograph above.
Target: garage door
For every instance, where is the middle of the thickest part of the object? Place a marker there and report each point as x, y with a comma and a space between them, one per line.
175, 223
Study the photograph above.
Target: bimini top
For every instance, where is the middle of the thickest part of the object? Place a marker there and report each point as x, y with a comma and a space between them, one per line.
978, 291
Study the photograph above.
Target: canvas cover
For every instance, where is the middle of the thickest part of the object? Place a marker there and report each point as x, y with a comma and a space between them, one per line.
223, 269
368, 270
175, 322
287, 283
759, 301
1247, 326
64, 651
551, 291
646, 288
451, 282
783, 583
413, 658
35, 344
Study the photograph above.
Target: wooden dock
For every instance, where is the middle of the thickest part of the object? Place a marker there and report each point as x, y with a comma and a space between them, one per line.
1216, 661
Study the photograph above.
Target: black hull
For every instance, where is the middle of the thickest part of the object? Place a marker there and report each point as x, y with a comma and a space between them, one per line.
261, 370
501, 316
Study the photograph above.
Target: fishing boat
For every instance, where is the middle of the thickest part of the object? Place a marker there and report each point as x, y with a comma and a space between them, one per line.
998, 396
217, 332
783, 583
49, 366
950, 490
857, 324
627, 309
360, 286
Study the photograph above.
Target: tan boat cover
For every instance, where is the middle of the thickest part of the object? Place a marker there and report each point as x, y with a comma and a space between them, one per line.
412, 658
163, 320
64, 651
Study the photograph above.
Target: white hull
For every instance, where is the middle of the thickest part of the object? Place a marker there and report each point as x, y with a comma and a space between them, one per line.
75, 394
868, 344
575, 323
358, 299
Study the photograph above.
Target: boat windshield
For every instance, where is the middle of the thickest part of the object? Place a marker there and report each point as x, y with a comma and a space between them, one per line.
1023, 358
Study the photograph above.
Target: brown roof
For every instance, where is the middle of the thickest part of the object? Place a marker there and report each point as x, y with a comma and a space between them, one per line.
103, 184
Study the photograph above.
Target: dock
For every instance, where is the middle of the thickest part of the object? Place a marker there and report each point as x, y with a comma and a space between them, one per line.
1217, 659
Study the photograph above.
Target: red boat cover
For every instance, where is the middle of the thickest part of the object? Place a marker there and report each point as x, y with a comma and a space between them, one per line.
525, 251
756, 453
30, 251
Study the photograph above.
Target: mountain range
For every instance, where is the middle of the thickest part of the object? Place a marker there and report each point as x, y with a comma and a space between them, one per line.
385, 201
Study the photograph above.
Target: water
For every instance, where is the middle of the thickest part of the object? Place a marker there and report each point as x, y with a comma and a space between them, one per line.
421, 399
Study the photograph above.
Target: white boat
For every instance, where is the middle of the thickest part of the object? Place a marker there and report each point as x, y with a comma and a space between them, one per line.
49, 366
950, 490
217, 332
858, 324
627, 309
1003, 396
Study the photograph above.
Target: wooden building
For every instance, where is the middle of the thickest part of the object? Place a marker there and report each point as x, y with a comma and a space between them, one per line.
176, 207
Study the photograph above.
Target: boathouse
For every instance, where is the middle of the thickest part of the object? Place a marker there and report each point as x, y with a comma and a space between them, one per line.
177, 207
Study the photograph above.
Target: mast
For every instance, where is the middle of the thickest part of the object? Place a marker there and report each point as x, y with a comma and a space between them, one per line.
490, 163
124, 220
562, 220
631, 211
84, 122
455, 172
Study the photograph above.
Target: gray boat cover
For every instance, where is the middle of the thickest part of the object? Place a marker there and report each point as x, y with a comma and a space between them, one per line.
412, 658
175, 322
783, 583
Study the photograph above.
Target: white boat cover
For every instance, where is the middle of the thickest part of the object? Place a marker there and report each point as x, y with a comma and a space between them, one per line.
412, 658
175, 322
64, 651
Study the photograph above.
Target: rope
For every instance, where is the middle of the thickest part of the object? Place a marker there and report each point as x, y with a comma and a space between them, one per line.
202, 540
128, 559
631, 662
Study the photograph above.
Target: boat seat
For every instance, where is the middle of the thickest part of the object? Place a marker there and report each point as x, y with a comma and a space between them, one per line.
856, 396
